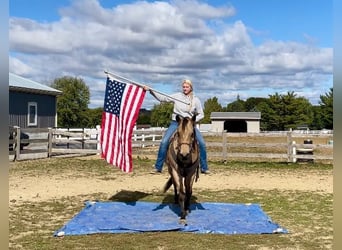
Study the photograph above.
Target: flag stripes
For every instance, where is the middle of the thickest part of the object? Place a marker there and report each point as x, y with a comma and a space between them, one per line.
121, 109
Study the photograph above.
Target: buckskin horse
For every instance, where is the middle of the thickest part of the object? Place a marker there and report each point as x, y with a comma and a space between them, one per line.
183, 163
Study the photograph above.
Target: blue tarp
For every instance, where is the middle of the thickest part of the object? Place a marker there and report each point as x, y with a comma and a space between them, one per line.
132, 217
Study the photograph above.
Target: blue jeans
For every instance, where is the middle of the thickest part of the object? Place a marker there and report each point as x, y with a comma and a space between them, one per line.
164, 144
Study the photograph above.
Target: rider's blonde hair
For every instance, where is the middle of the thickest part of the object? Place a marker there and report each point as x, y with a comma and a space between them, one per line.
189, 82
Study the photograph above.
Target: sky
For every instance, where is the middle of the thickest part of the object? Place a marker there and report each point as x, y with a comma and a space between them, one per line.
229, 49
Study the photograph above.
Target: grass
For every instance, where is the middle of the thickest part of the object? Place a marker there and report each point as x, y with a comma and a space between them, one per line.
307, 215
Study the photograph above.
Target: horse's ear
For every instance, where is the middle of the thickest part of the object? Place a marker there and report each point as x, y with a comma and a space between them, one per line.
178, 118
194, 118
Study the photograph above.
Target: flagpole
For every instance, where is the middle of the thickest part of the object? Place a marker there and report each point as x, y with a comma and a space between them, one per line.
141, 85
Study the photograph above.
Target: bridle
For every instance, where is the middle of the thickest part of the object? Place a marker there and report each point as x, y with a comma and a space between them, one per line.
190, 144
188, 161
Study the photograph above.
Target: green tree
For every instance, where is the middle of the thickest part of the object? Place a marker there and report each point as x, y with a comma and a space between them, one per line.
251, 104
210, 105
327, 112
161, 114
236, 106
144, 117
282, 112
73, 103
94, 117
269, 115
317, 120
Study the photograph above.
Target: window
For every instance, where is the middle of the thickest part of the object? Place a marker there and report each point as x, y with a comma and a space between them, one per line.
32, 114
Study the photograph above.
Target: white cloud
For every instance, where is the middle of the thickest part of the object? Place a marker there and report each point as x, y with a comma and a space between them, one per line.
164, 42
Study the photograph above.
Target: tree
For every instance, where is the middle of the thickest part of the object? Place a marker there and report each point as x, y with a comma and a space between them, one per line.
73, 103
236, 106
317, 120
251, 104
282, 112
299, 112
144, 117
270, 116
210, 105
94, 117
327, 112
161, 114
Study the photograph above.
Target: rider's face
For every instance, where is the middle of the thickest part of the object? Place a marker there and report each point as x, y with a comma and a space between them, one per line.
186, 88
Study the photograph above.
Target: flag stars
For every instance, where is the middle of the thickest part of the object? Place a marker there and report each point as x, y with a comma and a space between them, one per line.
115, 92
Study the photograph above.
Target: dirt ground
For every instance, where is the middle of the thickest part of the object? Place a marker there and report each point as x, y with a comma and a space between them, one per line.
43, 188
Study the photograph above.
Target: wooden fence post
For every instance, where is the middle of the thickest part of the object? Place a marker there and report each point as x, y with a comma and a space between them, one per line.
50, 135
224, 145
83, 138
294, 152
16, 146
289, 146
153, 139
68, 137
98, 145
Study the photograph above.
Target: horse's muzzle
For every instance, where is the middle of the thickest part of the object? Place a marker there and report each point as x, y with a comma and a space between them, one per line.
184, 159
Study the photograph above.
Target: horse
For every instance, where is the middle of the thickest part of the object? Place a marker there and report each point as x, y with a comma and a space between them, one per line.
182, 160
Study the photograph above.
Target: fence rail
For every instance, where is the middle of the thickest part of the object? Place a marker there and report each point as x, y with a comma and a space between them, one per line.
54, 142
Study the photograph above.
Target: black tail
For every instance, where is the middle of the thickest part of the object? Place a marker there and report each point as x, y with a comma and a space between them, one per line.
167, 184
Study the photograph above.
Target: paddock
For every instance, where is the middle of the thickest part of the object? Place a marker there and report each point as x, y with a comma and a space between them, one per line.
45, 193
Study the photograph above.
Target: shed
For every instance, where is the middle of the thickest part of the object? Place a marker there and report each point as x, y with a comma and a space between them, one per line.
31, 104
236, 122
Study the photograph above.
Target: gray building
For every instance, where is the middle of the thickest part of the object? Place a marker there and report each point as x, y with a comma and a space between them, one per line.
31, 104
231, 122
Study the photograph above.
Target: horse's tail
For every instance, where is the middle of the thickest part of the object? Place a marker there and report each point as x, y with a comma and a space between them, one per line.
167, 185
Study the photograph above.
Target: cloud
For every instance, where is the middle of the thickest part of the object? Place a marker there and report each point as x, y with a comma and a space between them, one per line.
163, 42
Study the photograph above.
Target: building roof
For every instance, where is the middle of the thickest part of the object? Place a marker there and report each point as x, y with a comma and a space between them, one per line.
235, 115
18, 83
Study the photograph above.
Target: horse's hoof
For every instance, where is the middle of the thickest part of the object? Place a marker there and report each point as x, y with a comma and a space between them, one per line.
182, 221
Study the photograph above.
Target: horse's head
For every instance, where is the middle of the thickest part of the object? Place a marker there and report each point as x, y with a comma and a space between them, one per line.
185, 137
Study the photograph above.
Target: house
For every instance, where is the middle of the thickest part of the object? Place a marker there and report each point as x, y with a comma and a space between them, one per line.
31, 104
248, 122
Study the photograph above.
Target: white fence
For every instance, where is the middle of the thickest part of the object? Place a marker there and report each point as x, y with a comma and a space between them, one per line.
61, 141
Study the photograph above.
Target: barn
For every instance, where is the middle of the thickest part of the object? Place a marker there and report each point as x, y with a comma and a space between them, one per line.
31, 104
235, 122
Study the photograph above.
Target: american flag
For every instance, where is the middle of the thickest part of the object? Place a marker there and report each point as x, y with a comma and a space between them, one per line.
121, 109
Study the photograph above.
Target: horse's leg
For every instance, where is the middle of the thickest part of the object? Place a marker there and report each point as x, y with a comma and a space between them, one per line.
176, 197
188, 194
189, 181
178, 189
187, 201
182, 197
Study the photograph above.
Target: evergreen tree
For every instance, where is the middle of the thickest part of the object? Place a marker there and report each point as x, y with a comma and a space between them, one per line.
283, 112
251, 104
317, 120
236, 106
327, 112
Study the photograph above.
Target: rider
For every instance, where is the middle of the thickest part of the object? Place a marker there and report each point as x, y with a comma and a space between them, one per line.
184, 110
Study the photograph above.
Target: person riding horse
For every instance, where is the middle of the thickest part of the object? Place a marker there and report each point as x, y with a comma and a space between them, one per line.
184, 110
